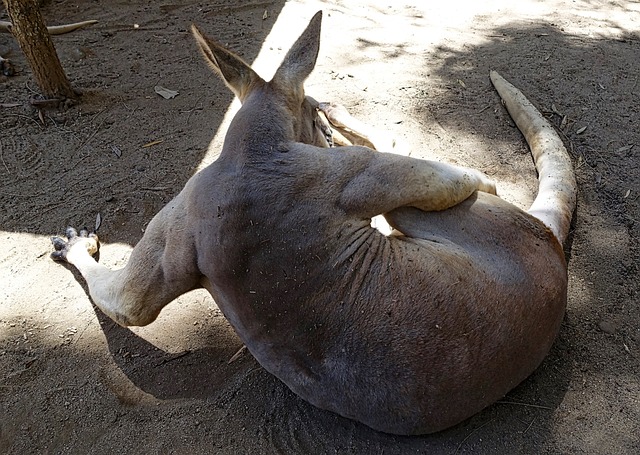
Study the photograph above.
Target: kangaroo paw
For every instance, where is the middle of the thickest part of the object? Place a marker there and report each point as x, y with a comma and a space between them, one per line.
74, 239
356, 132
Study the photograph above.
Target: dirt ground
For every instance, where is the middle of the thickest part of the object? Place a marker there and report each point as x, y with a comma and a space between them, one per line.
71, 381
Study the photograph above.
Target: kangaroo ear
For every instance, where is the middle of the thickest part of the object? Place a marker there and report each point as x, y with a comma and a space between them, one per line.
237, 74
301, 58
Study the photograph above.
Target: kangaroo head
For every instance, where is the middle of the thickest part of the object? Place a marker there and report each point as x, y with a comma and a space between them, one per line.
285, 92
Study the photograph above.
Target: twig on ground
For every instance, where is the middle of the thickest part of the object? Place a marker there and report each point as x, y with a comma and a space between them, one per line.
235, 356
528, 405
156, 188
471, 434
533, 420
23, 116
2, 159
172, 358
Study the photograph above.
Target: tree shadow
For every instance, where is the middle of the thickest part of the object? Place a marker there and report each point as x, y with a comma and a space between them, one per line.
124, 151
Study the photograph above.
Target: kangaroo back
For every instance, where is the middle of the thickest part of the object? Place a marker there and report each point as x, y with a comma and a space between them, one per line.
556, 199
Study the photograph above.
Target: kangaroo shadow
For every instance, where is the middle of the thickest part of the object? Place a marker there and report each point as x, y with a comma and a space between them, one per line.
524, 416
199, 373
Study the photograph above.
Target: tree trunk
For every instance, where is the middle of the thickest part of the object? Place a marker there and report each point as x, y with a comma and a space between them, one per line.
31, 33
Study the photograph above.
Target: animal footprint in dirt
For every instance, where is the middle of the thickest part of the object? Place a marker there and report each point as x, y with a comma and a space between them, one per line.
74, 239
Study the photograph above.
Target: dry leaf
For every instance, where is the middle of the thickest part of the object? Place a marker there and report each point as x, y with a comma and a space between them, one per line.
462, 84
565, 119
555, 110
626, 195
166, 93
115, 149
265, 15
10, 104
98, 222
581, 130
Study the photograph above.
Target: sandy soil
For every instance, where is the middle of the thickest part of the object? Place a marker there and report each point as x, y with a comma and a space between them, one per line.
73, 382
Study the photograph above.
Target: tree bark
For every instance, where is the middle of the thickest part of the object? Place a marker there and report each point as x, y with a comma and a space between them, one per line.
31, 33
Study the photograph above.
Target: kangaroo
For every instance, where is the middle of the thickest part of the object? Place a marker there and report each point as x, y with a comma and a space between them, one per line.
408, 333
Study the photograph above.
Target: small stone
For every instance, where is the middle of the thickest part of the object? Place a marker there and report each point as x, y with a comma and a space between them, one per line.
607, 327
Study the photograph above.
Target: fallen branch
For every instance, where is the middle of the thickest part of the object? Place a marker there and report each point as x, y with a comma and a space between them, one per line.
5, 27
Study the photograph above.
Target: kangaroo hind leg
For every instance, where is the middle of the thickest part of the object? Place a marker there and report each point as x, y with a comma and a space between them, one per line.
162, 266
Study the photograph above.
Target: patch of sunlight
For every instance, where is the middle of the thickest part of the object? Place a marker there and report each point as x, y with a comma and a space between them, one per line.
40, 292
611, 17
42, 299
381, 40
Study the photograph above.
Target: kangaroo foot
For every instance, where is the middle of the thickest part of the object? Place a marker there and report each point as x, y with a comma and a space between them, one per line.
74, 240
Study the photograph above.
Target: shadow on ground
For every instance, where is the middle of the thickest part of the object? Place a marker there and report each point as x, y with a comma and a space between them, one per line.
123, 151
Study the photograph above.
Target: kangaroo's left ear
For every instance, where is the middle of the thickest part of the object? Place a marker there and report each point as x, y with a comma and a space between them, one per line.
234, 71
301, 58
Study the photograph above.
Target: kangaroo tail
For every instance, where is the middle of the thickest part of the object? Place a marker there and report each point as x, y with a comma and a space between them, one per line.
556, 199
